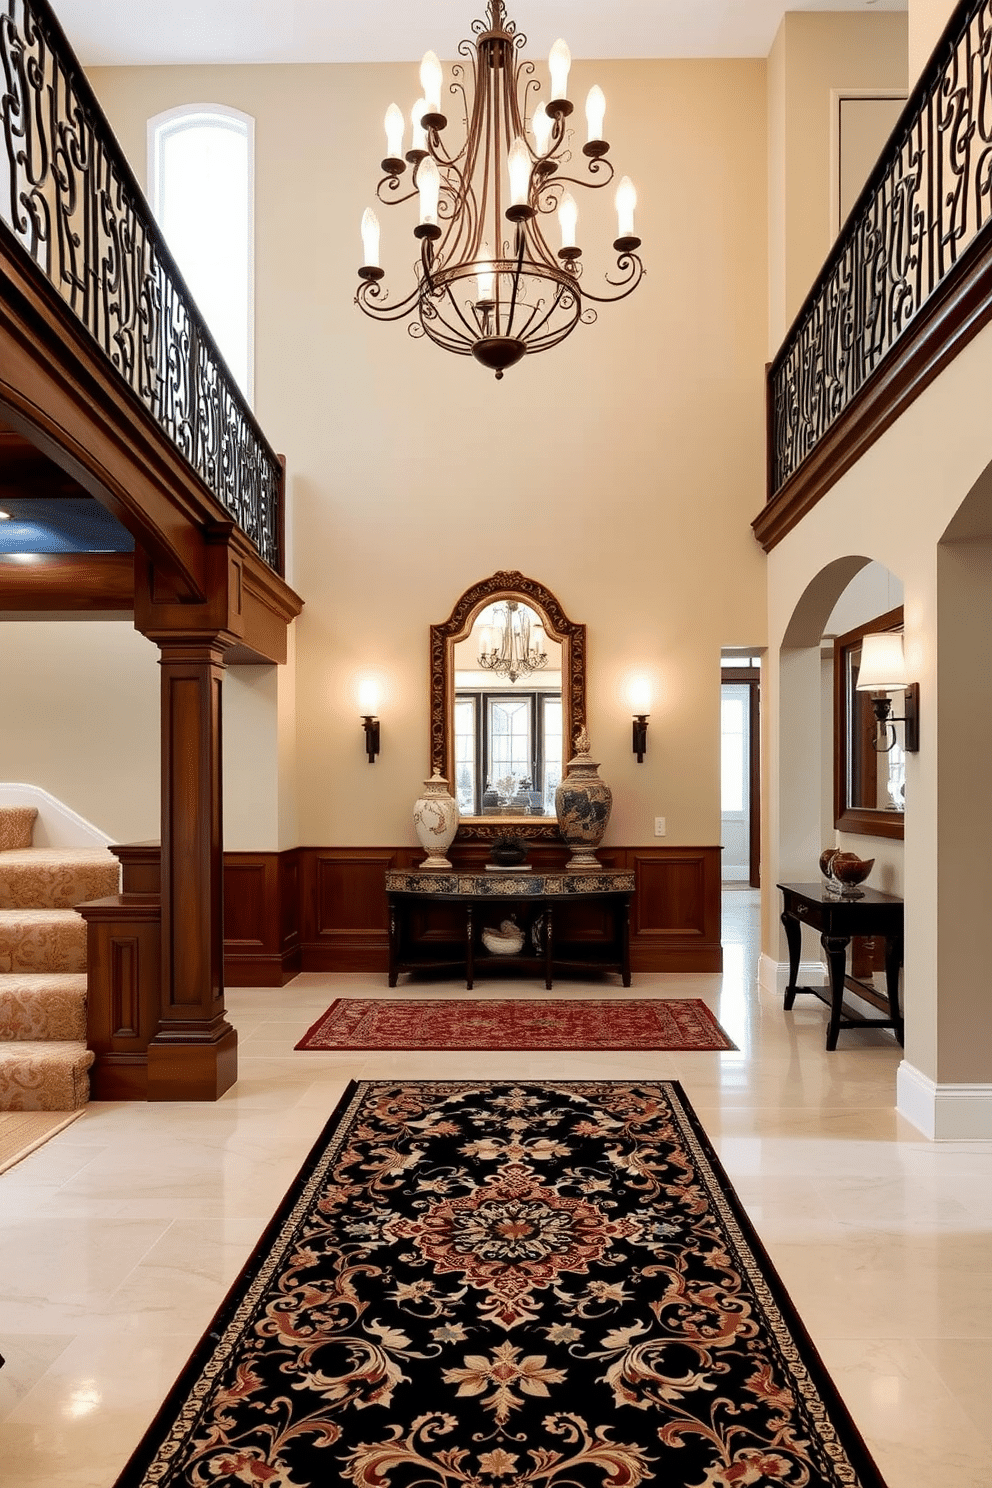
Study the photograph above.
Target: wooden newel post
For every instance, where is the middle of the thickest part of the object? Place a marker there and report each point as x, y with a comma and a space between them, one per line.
193, 1056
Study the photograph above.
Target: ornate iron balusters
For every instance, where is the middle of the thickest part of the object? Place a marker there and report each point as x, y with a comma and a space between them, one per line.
926, 201
71, 200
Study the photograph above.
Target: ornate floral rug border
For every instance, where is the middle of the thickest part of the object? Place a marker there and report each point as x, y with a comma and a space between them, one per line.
518, 1024
589, 1343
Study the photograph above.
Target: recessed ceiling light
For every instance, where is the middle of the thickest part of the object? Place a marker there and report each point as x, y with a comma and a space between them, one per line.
4, 516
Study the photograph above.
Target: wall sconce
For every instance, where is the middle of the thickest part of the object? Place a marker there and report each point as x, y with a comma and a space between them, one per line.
368, 700
883, 670
639, 694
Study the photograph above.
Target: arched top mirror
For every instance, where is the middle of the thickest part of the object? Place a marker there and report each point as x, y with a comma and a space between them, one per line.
508, 693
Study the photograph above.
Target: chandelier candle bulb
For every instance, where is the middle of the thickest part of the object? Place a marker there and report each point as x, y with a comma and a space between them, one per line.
370, 238
559, 62
626, 201
430, 80
519, 163
595, 113
418, 142
568, 216
395, 125
541, 127
429, 185
486, 276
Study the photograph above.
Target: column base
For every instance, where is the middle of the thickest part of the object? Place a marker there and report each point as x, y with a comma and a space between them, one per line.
184, 1071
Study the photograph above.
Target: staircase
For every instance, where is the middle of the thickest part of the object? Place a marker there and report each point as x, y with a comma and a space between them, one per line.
44, 1061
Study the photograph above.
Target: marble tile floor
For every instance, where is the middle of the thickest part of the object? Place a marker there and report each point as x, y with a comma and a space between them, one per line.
119, 1238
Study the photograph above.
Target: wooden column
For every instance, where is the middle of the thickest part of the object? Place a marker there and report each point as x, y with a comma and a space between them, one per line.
193, 1056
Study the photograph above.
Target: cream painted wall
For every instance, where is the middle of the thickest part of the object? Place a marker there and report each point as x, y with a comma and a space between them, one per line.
927, 19
814, 53
622, 470
81, 719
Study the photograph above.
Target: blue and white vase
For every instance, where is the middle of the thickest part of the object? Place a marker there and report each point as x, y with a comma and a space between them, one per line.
583, 803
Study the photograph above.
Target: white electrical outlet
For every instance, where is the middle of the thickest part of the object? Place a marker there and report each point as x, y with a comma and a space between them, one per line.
659, 826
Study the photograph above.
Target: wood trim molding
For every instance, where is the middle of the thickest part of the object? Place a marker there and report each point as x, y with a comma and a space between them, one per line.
953, 315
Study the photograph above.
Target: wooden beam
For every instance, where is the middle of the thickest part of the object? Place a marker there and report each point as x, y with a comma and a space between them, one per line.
66, 581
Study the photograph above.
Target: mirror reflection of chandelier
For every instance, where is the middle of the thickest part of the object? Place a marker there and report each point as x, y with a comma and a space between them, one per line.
511, 646
489, 284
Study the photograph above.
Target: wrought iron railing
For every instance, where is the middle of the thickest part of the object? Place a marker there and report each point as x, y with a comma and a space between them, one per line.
71, 200
923, 205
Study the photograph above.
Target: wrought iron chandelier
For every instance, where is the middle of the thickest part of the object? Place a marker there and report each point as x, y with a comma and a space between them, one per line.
488, 283
512, 647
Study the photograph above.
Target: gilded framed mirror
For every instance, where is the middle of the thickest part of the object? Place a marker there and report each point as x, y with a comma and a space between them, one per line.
869, 785
507, 696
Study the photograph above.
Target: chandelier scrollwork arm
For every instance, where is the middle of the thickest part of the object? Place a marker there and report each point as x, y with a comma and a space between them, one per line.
475, 294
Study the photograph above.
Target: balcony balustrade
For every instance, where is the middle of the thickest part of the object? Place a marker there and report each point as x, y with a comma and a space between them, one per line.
70, 199
906, 282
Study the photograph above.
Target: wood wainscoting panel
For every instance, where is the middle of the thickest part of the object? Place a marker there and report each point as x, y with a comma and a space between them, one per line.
324, 908
261, 919
124, 935
344, 924
675, 916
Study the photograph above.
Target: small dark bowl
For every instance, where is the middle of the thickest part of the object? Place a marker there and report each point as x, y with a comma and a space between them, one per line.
508, 852
826, 858
849, 869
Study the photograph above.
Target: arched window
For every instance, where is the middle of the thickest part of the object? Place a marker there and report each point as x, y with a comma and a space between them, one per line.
201, 187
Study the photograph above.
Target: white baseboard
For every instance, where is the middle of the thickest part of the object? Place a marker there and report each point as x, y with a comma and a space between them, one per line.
944, 1113
773, 976
57, 825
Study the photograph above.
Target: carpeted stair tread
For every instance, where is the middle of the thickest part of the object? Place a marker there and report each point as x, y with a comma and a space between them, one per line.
44, 1075
16, 826
42, 1005
56, 877
42, 940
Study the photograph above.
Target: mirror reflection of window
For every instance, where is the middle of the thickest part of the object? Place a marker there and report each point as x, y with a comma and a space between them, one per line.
466, 790
507, 714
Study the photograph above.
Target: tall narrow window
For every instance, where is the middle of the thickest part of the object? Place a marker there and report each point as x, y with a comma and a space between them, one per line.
201, 180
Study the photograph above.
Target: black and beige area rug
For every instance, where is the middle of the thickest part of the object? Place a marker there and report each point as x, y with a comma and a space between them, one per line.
480, 1285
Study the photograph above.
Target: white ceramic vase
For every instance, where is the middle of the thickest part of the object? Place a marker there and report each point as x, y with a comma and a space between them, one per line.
435, 817
583, 803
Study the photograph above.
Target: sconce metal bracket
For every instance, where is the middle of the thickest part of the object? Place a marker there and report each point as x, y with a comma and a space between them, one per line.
371, 726
910, 720
640, 736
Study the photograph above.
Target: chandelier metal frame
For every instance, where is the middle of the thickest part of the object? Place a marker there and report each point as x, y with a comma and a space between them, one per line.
501, 296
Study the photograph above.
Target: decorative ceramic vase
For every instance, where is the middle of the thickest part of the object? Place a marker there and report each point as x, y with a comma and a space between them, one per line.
826, 858
435, 817
582, 805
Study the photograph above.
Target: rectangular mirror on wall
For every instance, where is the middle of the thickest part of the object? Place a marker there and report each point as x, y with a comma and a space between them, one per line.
869, 784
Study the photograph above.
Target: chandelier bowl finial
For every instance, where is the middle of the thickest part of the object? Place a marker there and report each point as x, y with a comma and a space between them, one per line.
499, 352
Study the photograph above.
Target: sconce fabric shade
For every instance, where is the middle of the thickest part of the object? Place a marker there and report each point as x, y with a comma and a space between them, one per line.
883, 665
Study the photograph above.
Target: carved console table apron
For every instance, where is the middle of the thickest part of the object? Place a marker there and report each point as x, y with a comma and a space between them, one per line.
486, 899
837, 920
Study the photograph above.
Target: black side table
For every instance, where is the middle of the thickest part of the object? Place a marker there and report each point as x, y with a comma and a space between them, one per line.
837, 920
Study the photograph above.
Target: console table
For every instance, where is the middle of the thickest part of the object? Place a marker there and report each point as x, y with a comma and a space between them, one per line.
839, 919
481, 899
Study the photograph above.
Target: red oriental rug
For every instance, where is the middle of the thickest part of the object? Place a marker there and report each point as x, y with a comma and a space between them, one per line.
628, 1023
